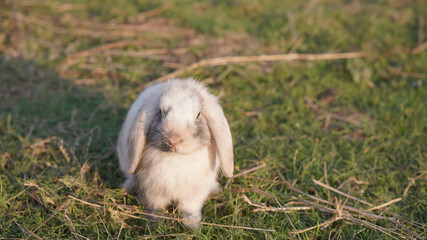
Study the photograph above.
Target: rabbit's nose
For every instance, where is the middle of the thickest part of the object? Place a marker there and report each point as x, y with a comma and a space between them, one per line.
174, 140
175, 146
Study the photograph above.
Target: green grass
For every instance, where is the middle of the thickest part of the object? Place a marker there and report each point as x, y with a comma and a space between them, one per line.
58, 128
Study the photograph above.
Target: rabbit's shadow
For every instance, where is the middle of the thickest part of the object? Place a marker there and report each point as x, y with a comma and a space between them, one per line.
42, 103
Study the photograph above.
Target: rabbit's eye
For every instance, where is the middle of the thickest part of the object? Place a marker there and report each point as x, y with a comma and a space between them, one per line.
164, 112
198, 115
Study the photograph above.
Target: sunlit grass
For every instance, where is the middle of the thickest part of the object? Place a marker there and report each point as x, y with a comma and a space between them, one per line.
360, 122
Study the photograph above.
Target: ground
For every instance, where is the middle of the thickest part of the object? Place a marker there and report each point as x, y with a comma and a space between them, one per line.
319, 145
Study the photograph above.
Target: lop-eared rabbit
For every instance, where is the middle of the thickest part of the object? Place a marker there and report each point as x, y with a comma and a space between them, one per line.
174, 140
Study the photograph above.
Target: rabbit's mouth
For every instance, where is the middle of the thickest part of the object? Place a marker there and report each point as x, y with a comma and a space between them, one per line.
166, 146
183, 147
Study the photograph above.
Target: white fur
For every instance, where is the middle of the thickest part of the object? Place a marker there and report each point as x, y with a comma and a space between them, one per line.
187, 175
178, 178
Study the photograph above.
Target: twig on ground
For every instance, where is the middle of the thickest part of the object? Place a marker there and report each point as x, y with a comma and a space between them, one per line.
244, 173
369, 224
385, 204
63, 150
107, 31
345, 212
120, 231
412, 182
408, 230
153, 12
353, 179
228, 201
15, 196
296, 44
301, 192
294, 160
72, 229
261, 58
224, 74
307, 166
365, 214
320, 225
202, 223
103, 223
148, 52
64, 64
248, 78
168, 218
250, 170
419, 48
24, 230
85, 202
341, 193
165, 236
289, 219
281, 209
318, 206
253, 189
348, 119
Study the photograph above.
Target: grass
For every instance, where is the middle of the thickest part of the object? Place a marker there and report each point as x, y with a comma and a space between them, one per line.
358, 124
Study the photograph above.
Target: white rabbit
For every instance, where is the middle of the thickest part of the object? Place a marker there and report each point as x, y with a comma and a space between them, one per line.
171, 145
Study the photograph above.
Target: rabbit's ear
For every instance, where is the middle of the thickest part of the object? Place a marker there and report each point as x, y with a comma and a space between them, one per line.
132, 137
136, 141
221, 134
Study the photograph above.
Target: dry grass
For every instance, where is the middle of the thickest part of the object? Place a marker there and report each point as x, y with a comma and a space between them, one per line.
352, 120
